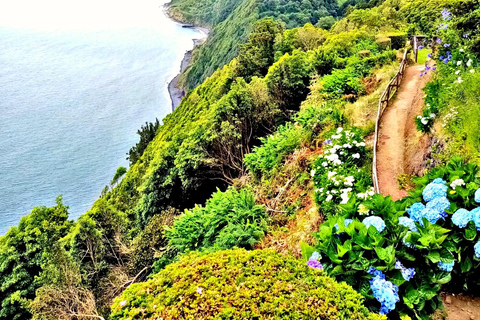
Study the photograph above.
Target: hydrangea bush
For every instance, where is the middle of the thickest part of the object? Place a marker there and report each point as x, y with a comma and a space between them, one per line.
452, 57
401, 255
337, 175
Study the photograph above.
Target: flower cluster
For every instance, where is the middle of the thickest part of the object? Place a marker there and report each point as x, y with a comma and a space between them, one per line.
476, 247
375, 221
407, 273
446, 266
461, 218
446, 15
436, 189
457, 183
477, 196
449, 118
336, 174
409, 223
313, 261
384, 291
435, 196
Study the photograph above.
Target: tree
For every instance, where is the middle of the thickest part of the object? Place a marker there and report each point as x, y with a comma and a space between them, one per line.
146, 133
120, 172
258, 53
288, 80
23, 251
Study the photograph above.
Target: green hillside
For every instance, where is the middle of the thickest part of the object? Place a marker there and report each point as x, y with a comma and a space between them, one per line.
231, 21
254, 198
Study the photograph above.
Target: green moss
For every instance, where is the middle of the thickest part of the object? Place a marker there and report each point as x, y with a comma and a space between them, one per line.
239, 284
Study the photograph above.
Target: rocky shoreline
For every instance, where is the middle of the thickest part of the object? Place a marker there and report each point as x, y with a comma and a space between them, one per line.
177, 93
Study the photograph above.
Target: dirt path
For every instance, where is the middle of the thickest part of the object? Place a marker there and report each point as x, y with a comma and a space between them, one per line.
397, 126
402, 149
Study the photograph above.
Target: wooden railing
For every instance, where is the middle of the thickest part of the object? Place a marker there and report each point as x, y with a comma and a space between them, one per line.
382, 105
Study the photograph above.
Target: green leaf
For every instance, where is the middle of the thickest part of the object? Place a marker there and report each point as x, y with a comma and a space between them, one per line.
341, 250
381, 253
307, 250
433, 256
470, 231
466, 265
445, 279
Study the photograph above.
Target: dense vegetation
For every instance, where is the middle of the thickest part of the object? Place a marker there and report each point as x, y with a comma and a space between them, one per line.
256, 156
231, 21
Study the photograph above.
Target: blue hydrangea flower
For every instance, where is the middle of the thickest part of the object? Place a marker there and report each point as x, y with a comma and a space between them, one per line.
375, 272
440, 204
314, 264
385, 292
407, 222
477, 249
415, 211
432, 215
461, 218
476, 217
377, 222
434, 190
439, 180
315, 256
477, 196
347, 222
446, 266
407, 273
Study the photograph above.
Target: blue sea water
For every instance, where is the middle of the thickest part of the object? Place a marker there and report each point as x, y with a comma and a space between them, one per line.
77, 80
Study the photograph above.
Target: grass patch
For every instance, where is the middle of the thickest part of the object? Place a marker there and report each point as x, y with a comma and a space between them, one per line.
422, 55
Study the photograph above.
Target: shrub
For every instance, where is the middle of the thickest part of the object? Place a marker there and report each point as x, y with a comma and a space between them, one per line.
343, 82
240, 284
229, 219
336, 174
273, 150
412, 256
398, 40
384, 42
364, 53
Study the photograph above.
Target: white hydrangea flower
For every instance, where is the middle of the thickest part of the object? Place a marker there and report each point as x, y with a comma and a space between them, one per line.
330, 174
472, 71
457, 72
329, 198
344, 197
312, 173
356, 155
459, 63
457, 183
339, 129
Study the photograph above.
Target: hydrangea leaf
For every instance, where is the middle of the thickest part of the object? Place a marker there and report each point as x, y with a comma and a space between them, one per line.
470, 231
466, 265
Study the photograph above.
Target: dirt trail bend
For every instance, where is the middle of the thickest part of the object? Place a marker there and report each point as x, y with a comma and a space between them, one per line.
397, 128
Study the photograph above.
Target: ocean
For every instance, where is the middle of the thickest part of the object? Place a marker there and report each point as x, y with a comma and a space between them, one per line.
77, 80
